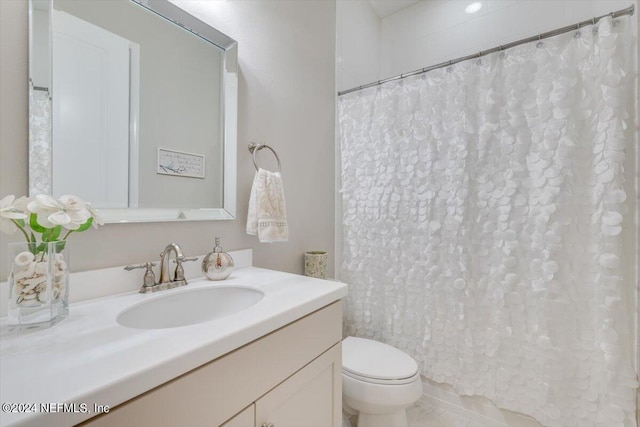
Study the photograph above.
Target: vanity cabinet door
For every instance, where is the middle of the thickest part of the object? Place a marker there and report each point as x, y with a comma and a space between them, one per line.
311, 397
246, 418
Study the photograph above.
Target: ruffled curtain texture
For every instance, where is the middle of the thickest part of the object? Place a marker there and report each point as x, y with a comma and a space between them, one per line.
39, 142
483, 209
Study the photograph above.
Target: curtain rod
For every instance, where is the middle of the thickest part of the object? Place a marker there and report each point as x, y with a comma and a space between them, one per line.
592, 21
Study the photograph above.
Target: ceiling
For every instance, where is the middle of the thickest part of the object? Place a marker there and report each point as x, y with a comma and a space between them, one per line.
384, 8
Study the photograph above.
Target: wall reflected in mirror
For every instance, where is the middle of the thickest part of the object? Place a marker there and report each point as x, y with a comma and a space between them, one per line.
131, 111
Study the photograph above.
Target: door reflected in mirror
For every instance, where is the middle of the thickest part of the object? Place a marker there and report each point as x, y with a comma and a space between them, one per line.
131, 111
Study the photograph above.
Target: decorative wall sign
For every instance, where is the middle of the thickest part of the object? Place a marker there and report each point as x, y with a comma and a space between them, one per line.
179, 163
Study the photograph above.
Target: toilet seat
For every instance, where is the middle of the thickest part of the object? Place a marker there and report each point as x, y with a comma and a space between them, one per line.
378, 363
381, 381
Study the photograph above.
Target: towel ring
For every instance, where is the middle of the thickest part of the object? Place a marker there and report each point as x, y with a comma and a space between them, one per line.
254, 148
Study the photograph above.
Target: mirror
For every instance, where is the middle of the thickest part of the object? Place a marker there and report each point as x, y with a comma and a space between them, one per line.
132, 107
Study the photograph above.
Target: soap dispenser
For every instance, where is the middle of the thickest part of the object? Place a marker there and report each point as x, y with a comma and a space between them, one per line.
217, 265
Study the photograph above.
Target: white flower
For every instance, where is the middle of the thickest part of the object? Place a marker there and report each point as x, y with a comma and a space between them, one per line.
43, 206
97, 221
11, 209
77, 210
70, 211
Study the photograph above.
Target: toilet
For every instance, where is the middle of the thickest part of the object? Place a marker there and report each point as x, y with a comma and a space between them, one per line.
379, 382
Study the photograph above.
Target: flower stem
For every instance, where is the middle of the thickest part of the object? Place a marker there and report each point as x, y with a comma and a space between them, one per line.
26, 236
67, 235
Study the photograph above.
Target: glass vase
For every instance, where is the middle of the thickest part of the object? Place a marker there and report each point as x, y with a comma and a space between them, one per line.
38, 284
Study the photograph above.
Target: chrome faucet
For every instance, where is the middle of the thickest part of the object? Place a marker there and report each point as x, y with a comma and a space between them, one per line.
164, 265
166, 281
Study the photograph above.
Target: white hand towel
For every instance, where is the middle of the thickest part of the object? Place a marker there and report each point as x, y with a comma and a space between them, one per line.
267, 217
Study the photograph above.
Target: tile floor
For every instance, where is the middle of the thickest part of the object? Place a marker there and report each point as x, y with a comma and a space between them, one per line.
469, 412
424, 414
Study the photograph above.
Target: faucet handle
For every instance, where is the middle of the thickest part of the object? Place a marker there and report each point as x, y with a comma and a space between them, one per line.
195, 258
149, 280
145, 265
179, 275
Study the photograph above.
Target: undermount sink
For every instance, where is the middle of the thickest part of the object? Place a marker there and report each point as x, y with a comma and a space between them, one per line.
188, 307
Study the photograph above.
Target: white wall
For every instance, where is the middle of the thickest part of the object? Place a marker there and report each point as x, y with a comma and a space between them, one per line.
358, 46
286, 98
434, 31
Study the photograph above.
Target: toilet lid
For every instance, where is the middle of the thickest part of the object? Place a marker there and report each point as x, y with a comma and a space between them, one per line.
376, 360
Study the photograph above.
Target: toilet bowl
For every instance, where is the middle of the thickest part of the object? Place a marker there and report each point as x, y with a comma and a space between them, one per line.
379, 382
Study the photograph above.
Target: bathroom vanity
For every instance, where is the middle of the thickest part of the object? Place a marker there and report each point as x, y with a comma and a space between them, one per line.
277, 362
289, 377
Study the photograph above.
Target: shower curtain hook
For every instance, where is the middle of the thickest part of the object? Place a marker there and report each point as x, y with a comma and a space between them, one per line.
450, 67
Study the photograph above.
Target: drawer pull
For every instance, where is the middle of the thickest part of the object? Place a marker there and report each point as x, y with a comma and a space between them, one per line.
267, 425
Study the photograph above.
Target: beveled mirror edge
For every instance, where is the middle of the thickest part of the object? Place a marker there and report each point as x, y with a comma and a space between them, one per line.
184, 19
230, 119
230, 95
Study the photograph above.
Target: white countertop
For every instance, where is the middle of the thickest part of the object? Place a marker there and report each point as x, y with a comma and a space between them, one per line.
89, 358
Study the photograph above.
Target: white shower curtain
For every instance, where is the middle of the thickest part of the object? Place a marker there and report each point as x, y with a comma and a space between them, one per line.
484, 207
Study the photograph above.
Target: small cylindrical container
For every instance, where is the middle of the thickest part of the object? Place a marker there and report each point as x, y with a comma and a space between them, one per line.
217, 265
315, 264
